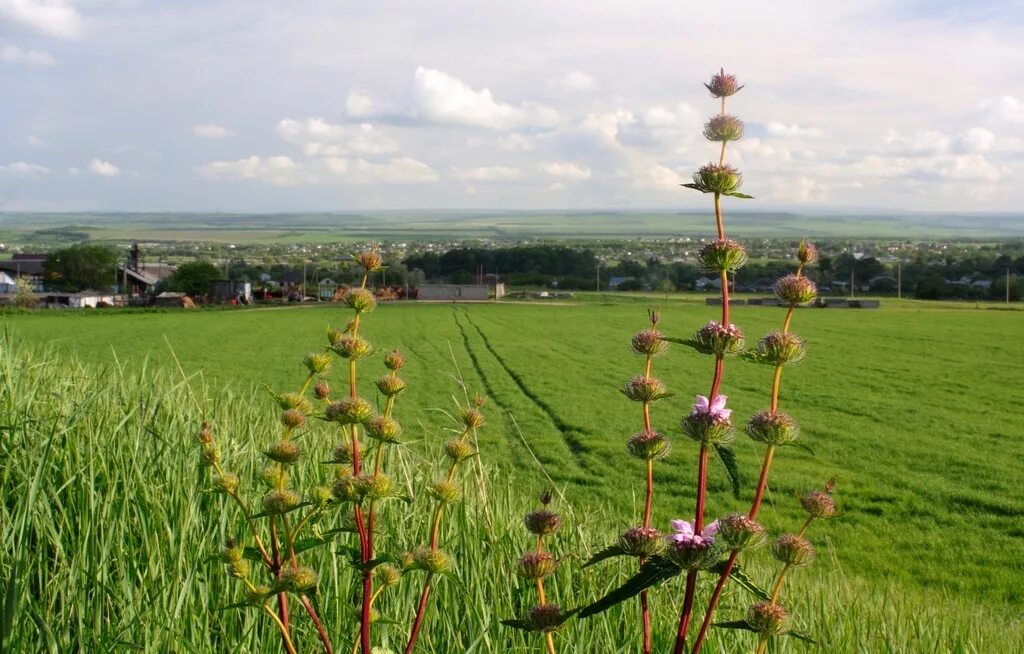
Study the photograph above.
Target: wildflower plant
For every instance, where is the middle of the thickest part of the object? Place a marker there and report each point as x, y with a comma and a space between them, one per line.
296, 514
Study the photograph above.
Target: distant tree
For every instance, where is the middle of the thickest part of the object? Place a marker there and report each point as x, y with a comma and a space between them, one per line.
998, 289
194, 278
631, 285
24, 295
665, 286
79, 267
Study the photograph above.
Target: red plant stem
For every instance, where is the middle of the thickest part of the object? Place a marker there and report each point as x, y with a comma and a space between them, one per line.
421, 611
646, 614
684, 617
319, 625
702, 481
282, 598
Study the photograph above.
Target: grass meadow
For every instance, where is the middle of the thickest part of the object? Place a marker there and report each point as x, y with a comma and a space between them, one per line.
914, 408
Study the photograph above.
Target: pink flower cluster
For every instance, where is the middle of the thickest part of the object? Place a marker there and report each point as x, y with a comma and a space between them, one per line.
713, 411
686, 537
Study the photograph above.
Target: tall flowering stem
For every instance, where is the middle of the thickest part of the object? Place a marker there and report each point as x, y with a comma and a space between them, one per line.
722, 256
545, 617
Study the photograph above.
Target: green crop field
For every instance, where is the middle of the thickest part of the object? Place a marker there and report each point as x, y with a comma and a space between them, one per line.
914, 408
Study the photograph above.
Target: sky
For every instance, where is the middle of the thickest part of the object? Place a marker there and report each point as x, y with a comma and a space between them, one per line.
309, 105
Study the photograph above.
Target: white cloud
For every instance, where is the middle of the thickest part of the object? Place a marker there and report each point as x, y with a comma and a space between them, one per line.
74, 171
401, 170
24, 169
54, 17
975, 139
104, 168
211, 131
928, 142
278, 171
35, 141
489, 173
317, 137
576, 81
793, 131
970, 167
16, 55
657, 176
565, 170
443, 99
284, 171
1006, 108
360, 105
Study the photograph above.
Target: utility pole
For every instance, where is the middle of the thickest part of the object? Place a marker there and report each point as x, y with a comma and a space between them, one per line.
853, 289
899, 281
598, 286
303, 281
1007, 285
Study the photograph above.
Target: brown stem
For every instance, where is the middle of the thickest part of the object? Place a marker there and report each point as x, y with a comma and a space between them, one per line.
421, 610
282, 598
713, 602
319, 625
645, 612
684, 617
702, 483
762, 482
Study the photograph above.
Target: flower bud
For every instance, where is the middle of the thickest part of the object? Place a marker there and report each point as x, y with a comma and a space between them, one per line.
349, 411
770, 428
293, 418
342, 453
294, 401
375, 486
722, 85
819, 504
780, 348
767, 618
225, 483
390, 386
793, 550
238, 569
719, 340
479, 400
458, 449
542, 522
322, 390
352, 347
472, 418
205, 435
806, 253
370, 261
209, 455
280, 501
717, 178
648, 342
641, 541
317, 363
740, 532
645, 389
394, 360
319, 496
648, 445
445, 491
274, 476
334, 335
257, 595
433, 561
345, 487
297, 580
283, 452
387, 574
723, 128
231, 551
536, 565
545, 618
545, 497
383, 429
796, 290
723, 254
361, 300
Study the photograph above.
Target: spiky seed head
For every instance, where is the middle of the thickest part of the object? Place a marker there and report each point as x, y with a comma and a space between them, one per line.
284, 451
542, 522
644, 389
793, 549
394, 360
432, 561
351, 346
767, 618
723, 85
648, 342
225, 483
390, 386
370, 260
238, 569
723, 254
773, 428
717, 178
375, 486
231, 551
387, 574
796, 290
819, 504
458, 449
697, 554
297, 580
444, 491
781, 348
479, 400
383, 429
345, 487
648, 445
334, 335
723, 128
209, 454
342, 453
319, 496
257, 595
317, 363
361, 300
719, 340
280, 501
707, 428
740, 532
294, 401
545, 618
293, 418
205, 435
322, 390
806, 252
654, 315
641, 541
545, 497
472, 418
349, 411
273, 475
536, 565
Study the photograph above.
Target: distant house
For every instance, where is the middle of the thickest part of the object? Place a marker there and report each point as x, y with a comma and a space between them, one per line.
325, 288
704, 283
82, 300
25, 265
232, 291
140, 278
456, 292
7, 283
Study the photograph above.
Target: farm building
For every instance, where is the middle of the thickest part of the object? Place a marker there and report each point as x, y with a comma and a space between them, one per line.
24, 265
461, 292
227, 291
82, 300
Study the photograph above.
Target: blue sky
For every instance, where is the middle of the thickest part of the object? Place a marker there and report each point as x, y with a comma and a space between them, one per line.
245, 105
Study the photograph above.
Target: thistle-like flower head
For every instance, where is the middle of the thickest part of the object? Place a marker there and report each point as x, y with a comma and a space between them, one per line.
793, 550
767, 618
293, 418
722, 255
773, 427
796, 290
394, 360
342, 453
719, 340
739, 532
281, 501
297, 580
351, 346
717, 178
723, 85
226, 483
542, 522
444, 491
432, 561
780, 348
472, 418
384, 429
283, 451
375, 486
691, 550
294, 401
545, 618
644, 389
361, 300
648, 445
723, 128
806, 252
648, 342
390, 386
349, 411
317, 363
536, 565
322, 390
370, 261
642, 542
458, 449
819, 504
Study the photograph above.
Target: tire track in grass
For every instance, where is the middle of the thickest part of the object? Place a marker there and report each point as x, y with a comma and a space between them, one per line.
571, 434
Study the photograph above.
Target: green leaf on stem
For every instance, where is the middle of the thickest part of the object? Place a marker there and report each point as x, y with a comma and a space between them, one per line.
737, 194
655, 571
799, 635
695, 187
728, 459
735, 624
607, 553
517, 624
742, 580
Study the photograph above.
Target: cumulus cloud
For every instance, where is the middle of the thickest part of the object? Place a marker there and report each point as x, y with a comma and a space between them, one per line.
565, 170
103, 168
275, 170
446, 100
24, 169
792, 131
928, 142
53, 17
285, 171
576, 81
317, 137
400, 170
1004, 109
211, 131
975, 139
489, 173
16, 55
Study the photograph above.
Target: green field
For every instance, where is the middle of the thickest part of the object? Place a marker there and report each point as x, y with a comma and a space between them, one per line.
915, 408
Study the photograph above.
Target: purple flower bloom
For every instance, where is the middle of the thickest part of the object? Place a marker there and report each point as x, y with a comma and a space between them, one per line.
685, 535
714, 410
